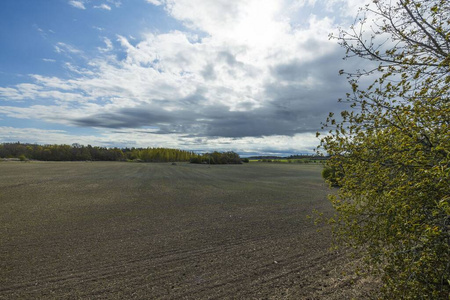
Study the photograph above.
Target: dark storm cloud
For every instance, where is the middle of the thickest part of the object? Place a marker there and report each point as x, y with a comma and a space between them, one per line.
311, 88
208, 72
127, 118
324, 69
207, 121
230, 59
300, 98
269, 120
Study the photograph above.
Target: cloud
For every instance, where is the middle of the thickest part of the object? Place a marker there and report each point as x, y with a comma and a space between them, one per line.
48, 60
235, 89
116, 3
103, 6
43, 33
108, 45
251, 23
61, 47
303, 3
77, 4
154, 2
246, 77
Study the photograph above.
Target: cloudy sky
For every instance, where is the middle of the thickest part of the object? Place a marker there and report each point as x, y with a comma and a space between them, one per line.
254, 76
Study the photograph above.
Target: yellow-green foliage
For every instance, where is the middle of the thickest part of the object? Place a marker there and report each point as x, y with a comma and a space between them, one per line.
218, 158
163, 155
391, 152
329, 174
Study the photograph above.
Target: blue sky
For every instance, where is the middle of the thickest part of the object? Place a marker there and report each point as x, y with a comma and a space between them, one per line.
256, 77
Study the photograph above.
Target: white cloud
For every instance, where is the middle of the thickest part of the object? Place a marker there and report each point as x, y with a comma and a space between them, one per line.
108, 45
303, 3
347, 8
77, 4
231, 67
61, 47
154, 2
117, 3
48, 60
43, 136
103, 6
51, 82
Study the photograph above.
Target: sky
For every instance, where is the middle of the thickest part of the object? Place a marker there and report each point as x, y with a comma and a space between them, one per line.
256, 77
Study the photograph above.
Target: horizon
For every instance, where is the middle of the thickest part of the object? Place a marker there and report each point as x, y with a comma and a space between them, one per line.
196, 151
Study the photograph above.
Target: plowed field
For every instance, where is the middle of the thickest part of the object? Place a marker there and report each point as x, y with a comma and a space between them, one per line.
110, 230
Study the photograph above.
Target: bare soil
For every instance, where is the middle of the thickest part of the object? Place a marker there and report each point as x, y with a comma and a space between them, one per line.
110, 230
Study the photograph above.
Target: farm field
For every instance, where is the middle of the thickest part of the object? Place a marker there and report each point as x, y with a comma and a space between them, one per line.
112, 230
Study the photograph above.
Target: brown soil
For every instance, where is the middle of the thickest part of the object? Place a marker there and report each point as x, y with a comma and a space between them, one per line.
159, 231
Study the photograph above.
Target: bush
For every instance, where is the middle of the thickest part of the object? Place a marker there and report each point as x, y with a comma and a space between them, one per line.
329, 174
195, 160
218, 158
391, 151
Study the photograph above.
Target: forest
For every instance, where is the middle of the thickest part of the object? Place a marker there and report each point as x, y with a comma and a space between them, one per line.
77, 152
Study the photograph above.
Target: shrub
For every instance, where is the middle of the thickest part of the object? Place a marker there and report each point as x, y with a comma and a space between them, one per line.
329, 174
195, 160
391, 151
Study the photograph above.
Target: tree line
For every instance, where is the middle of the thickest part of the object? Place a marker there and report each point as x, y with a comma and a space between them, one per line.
219, 158
77, 152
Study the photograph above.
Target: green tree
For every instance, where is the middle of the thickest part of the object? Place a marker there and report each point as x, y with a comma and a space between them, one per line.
391, 150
